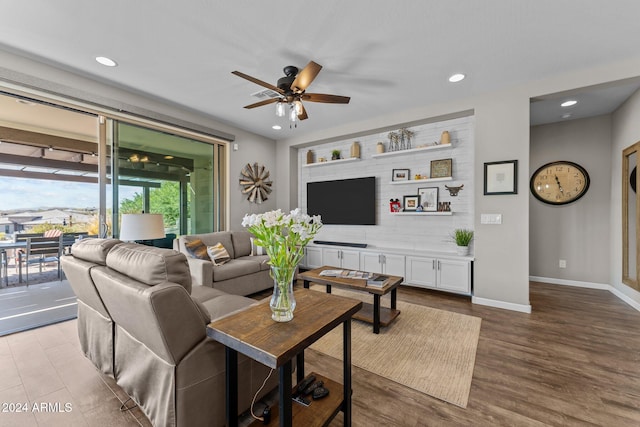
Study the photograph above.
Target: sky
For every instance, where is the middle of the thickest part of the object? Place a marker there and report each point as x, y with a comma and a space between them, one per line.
27, 194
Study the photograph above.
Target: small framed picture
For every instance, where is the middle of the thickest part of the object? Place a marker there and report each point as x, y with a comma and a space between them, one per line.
400, 175
410, 203
429, 198
441, 168
501, 177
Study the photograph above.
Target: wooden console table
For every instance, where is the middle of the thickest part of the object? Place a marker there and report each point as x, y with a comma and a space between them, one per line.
253, 333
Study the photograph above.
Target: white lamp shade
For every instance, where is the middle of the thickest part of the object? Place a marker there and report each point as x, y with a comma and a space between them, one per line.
141, 227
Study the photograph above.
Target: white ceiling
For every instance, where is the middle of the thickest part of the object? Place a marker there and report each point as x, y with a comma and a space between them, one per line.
387, 56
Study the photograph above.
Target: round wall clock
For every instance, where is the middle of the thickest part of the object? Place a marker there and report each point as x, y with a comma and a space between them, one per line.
255, 183
559, 183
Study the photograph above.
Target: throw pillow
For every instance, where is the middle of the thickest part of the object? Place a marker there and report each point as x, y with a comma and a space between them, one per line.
255, 249
197, 249
218, 254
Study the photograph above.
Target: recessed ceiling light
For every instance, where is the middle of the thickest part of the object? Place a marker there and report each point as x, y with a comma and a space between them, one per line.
455, 78
25, 102
569, 103
106, 61
276, 127
566, 115
168, 157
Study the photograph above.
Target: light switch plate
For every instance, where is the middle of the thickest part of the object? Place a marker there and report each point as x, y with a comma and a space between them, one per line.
492, 219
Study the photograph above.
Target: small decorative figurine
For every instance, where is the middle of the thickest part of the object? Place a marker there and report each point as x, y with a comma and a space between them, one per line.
453, 191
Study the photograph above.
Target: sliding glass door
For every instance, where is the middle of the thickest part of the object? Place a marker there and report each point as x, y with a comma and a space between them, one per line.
160, 172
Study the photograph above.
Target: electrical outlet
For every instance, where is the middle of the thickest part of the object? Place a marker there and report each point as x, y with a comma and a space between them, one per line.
562, 263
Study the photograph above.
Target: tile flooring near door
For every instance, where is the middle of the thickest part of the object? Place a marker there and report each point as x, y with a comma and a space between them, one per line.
45, 380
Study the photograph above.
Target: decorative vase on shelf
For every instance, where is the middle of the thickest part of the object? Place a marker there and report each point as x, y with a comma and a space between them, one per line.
463, 250
283, 302
380, 148
445, 138
355, 150
310, 157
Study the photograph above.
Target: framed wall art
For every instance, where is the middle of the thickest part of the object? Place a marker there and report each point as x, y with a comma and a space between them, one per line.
410, 203
429, 198
400, 175
501, 177
441, 168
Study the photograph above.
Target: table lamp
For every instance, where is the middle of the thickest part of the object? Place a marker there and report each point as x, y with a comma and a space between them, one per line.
141, 227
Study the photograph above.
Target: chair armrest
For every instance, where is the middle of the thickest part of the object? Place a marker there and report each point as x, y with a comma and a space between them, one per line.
201, 271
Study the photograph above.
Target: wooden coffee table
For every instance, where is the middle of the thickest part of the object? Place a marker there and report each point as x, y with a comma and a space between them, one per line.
375, 314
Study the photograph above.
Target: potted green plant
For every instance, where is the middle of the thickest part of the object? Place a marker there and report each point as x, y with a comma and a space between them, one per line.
462, 237
335, 155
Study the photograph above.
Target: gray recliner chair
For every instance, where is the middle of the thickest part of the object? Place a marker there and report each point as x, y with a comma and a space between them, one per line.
163, 358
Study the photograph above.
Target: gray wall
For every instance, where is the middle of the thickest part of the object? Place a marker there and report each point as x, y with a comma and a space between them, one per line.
578, 232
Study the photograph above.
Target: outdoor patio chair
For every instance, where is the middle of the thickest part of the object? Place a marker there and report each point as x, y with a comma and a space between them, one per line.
41, 250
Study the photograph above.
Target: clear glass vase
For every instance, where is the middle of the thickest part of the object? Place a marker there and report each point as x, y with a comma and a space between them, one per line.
282, 302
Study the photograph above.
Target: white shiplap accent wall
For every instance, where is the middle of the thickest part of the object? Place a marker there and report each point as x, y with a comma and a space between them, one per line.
429, 233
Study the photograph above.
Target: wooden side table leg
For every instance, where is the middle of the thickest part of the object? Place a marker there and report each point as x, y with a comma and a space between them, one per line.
393, 298
305, 283
300, 366
284, 391
231, 357
328, 289
346, 345
376, 314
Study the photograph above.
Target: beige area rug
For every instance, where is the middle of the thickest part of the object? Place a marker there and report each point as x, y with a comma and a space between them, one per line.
430, 350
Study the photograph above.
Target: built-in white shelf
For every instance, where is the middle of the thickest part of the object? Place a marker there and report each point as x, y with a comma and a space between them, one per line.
412, 150
422, 213
331, 162
418, 181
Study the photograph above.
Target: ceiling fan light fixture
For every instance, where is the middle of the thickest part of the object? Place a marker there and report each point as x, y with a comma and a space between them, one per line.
280, 109
457, 77
293, 113
298, 106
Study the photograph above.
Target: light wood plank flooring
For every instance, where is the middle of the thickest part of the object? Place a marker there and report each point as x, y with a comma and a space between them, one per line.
574, 361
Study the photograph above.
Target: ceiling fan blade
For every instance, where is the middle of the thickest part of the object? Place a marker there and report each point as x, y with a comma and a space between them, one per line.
306, 76
257, 81
261, 103
330, 99
303, 115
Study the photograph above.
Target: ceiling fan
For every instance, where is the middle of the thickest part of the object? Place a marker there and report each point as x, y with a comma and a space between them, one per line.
292, 89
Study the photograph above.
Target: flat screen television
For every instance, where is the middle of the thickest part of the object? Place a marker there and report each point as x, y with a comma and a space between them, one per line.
343, 201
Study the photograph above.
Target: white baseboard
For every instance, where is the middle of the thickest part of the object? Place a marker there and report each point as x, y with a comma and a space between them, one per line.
523, 308
590, 285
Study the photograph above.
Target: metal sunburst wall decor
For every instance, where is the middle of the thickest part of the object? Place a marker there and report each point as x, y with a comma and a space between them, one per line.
255, 183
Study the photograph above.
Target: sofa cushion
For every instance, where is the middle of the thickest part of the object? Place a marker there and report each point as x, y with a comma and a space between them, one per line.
226, 305
94, 250
197, 249
204, 293
263, 260
218, 254
241, 243
149, 265
234, 268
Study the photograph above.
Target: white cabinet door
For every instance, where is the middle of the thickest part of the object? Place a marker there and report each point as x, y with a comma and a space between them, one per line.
370, 261
350, 259
394, 265
421, 271
331, 257
454, 275
313, 257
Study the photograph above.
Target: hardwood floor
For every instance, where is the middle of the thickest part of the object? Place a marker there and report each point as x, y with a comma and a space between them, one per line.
574, 361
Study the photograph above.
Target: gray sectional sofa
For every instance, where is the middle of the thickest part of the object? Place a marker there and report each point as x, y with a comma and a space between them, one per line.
141, 321
244, 274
